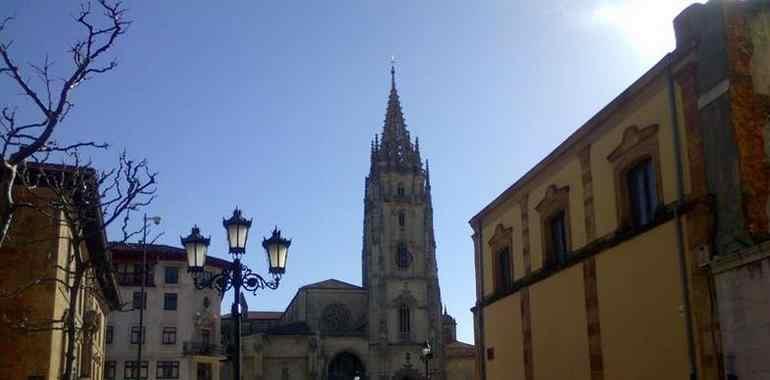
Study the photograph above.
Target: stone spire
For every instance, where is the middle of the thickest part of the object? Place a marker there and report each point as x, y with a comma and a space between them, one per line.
396, 150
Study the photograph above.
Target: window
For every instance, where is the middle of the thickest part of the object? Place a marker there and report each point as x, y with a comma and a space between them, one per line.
109, 369
130, 367
401, 218
169, 301
642, 195
404, 321
400, 190
135, 334
403, 257
167, 369
172, 275
108, 335
169, 335
137, 300
504, 277
557, 238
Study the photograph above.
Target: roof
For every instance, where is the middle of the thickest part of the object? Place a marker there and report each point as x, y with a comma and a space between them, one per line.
158, 252
295, 328
260, 315
460, 349
600, 117
331, 284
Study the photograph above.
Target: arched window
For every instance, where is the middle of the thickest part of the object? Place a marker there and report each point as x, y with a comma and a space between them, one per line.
401, 218
404, 319
403, 257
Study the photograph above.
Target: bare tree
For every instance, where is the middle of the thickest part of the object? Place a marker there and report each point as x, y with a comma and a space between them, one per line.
85, 201
25, 135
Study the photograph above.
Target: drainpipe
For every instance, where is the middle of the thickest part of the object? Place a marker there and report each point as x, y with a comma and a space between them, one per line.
479, 298
677, 216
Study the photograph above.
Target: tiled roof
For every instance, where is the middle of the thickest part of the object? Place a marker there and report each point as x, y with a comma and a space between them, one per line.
331, 284
122, 252
460, 349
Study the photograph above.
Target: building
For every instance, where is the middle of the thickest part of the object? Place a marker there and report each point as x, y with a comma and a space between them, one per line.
731, 92
181, 323
36, 292
336, 330
600, 262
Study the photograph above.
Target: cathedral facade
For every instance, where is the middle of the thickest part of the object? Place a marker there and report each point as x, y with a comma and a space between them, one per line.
335, 330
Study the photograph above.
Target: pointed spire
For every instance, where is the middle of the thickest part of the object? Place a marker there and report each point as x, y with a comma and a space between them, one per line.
427, 174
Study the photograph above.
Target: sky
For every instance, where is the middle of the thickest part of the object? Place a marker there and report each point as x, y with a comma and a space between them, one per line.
270, 106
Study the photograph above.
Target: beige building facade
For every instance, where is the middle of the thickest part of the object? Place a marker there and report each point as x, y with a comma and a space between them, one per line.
181, 324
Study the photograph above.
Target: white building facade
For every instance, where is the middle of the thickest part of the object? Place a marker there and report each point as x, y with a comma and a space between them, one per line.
181, 324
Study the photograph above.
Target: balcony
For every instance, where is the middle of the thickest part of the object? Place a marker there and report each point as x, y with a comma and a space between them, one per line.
202, 348
133, 279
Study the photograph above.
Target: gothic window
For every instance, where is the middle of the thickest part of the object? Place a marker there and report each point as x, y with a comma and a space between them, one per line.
336, 318
403, 257
404, 321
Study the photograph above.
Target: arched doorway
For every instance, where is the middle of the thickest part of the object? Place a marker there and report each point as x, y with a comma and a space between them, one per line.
346, 366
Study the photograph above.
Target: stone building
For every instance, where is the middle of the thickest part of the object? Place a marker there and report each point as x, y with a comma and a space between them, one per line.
181, 324
336, 330
638, 248
35, 292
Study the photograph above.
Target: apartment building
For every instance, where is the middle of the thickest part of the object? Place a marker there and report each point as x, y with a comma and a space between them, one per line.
180, 333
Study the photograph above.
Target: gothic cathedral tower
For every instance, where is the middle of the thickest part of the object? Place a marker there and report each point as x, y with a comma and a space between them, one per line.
399, 255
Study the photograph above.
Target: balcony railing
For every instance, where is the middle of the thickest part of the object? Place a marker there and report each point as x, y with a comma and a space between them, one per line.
202, 348
133, 279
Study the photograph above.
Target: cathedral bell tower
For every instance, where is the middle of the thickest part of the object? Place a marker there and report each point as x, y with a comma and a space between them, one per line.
399, 255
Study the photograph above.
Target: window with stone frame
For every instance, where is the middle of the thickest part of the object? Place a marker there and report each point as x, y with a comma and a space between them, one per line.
167, 369
130, 368
137, 334
404, 321
168, 335
642, 197
402, 219
502, 261
169, 301
555, 226
636, 163
171, 275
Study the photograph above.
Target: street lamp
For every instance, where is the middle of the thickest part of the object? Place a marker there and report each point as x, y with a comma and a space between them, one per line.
238, 276
427, 355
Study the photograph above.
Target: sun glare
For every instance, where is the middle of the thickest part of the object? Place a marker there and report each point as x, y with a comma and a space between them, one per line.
645, 24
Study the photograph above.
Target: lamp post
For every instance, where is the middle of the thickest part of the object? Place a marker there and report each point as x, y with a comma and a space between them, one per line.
238, 276
427, 355
142, 296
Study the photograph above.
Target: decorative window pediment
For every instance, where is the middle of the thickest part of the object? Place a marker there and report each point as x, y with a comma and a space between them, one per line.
556, 198
635, 138
638, 149
500, 246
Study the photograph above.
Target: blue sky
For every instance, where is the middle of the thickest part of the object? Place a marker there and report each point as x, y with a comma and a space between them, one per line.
271, 106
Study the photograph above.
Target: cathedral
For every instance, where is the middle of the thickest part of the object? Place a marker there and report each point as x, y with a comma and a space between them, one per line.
336, 330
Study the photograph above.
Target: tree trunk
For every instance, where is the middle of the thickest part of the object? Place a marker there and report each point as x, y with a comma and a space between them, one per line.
7, 178
70, 324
